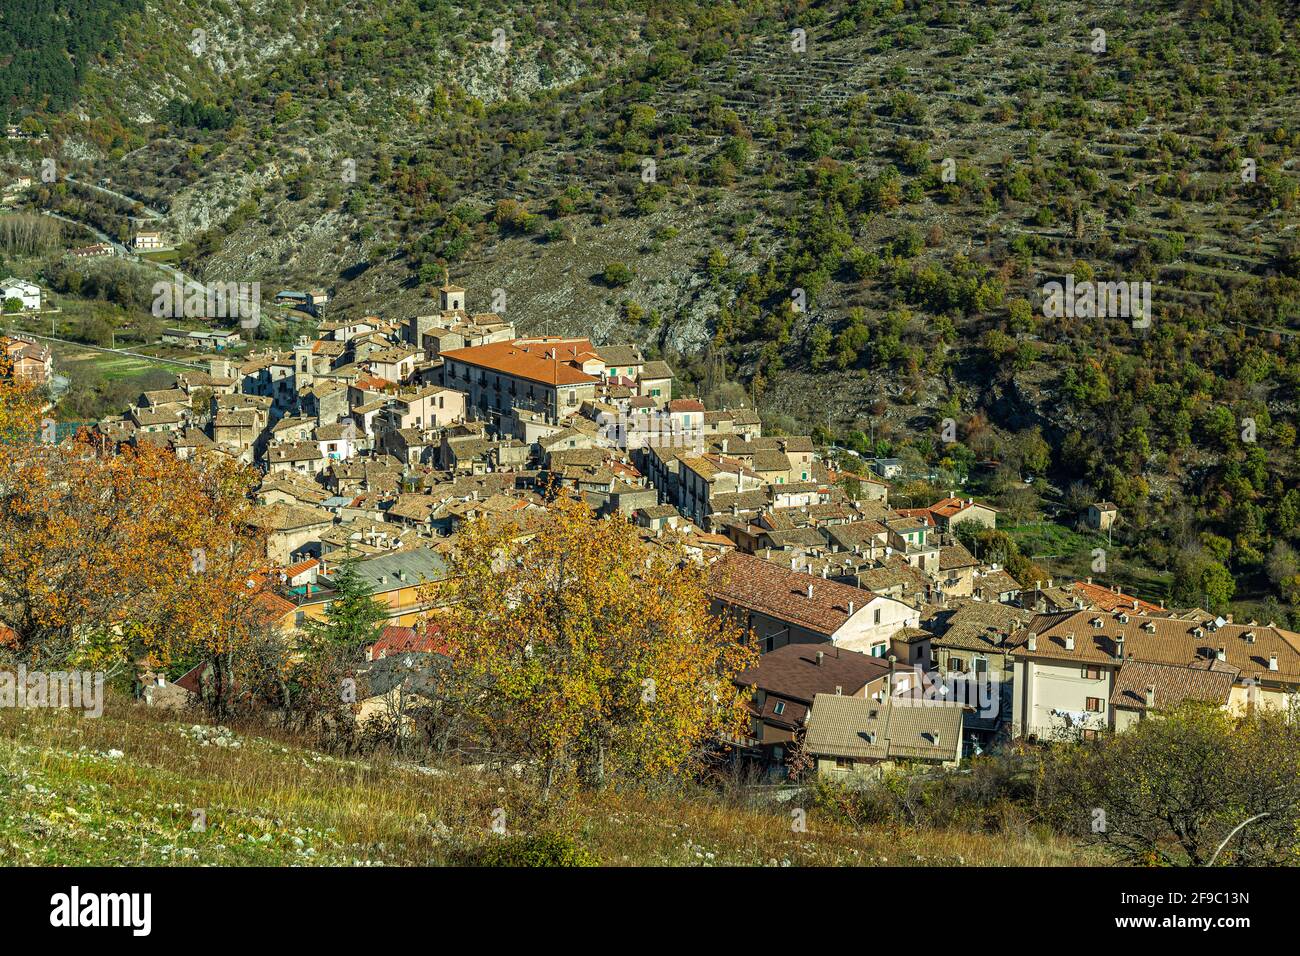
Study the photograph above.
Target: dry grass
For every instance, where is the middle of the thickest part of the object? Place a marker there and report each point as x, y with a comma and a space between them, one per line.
124, 790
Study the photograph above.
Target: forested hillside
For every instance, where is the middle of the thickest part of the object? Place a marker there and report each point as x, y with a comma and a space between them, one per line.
48, 46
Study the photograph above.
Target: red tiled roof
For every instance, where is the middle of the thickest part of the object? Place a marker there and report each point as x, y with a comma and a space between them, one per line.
1109, 600
686, 405
947, 507
531, 359
401, 640
301, 567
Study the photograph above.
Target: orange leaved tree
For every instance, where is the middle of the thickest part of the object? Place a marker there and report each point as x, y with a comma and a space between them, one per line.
586, 651
104, 556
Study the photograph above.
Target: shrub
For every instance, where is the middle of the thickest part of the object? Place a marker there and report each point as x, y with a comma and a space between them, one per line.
539, 849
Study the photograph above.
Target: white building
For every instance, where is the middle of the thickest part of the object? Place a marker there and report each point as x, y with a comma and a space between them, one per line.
27, 293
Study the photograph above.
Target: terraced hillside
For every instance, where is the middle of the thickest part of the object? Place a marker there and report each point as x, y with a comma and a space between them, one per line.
908, 175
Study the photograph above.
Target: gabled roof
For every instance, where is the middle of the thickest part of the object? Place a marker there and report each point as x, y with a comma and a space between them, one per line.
893, 729
794, 671
1162, 640
745, 581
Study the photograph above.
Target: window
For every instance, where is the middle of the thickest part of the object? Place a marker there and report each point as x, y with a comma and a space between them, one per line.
981, 665
878, 650
778, 708
843, 763
876, 616
1092, 673
1090, 735
956, 664
1094, 705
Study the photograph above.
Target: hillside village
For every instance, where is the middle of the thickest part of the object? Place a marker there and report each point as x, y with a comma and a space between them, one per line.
378, 441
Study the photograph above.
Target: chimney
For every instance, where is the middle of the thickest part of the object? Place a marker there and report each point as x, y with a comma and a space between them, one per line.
1049, 584
810, 592
724, 446
1228, 618
1033, 641
1221, 654
1272, 662
1089, 580
821, 655
934, 737
1150, 696
1069, 642
1038, 585
892, 661
850, 609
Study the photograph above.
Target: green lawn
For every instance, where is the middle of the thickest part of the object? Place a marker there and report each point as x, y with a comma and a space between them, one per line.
1066, 553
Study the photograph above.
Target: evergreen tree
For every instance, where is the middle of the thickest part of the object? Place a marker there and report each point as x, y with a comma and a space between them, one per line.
354, 619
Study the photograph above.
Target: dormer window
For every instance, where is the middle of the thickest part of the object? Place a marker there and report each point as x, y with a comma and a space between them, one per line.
1098, 622
778, 708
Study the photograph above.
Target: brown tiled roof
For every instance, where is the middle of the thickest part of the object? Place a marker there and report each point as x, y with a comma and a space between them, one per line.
1173, 683
982, 626
745, 581
853, 534
955, 556
792, 671
1162, 640
282, 517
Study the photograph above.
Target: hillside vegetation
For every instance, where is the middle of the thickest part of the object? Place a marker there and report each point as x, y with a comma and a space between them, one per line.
849, 226
130, 788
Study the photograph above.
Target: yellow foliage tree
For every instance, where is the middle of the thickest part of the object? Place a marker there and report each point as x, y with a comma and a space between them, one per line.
588, 651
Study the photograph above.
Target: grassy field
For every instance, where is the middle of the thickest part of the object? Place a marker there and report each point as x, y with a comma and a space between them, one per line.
1067, 553
128, 788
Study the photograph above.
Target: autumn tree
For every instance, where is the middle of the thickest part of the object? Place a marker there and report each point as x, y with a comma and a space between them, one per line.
588, 651
1191, 786
105, 556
